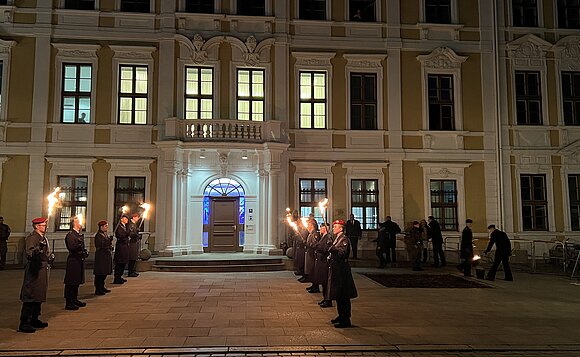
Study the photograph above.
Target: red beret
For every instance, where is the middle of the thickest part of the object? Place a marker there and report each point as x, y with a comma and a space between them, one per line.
102, 223
39, 220
338, 221
135, 215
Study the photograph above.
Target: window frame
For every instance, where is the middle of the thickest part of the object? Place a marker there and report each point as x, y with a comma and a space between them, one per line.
312, 192
76, 94
75, 204
5, 58
267, 9
559, 18
377, 13
118, 6
63, 6
443, 205
134, 206
312, 101
318, 170
300, 5
440, 102
251, 98
133, 95
363, 103
183, 7
364, 205
528, 98
534, 203
454, 13
575, 99
199, 97
539, 18
573, 201
297, 11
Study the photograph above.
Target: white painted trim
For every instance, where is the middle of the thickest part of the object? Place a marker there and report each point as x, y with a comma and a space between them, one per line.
267, 67
454, 12
5, 57
3, 159
187, 62
366, 171
544, 94
314, 170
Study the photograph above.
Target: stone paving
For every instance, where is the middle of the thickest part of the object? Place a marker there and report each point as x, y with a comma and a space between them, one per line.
271, 314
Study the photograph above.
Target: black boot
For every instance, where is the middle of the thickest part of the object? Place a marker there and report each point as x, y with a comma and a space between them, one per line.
26, 327
79, 303
70, 305
36, 323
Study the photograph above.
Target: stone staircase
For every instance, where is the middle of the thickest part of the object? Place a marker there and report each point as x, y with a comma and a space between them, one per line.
195, 264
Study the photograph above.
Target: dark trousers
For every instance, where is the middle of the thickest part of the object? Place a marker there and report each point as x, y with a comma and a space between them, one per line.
325, 291
343, 307
381, 252
30, 312
71, 294
425, 255
465, 265
391, 254
438, 253
100, 282
354, 246
499, 259
131, 267
3, 250
416, 259
119, 269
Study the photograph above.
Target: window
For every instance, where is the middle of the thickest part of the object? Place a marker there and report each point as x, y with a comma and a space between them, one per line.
73, 197
569, 14
362, 10
534, 202
251, 94
200, 6
312, 10
133, 94
130, 192
363, 101
79, 4
312, 100
525, 13
365, 202
135, 6
251, 7
76, 93
1, 85
444, 203
312, 191
528, 98
574, 194
441, 102
571, 97
198, 93
438, 11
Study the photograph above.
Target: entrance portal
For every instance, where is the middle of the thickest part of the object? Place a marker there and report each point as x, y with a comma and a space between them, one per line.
223, 234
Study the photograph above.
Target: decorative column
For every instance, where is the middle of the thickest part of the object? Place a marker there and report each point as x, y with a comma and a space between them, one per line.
168, 219
273, 212
263, 209
170, 216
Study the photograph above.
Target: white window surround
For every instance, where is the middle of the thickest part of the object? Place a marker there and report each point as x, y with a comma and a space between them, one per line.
366, 171
540, 9
567, 52
73, 167
132, 56
445, 171
151, 6
366, 63
442, 60
267, 7
347, 11
314, 170
454, 12
570, 166
5, 51
62, 2
74, 54
267, 89
216, 6
3, 159
328, 10
128, 168
181, 83
313, 61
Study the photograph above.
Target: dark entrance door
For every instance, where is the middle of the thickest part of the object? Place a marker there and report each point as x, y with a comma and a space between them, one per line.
223, 232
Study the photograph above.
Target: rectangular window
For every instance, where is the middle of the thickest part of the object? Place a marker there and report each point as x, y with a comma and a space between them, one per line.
1, 85
574, 194
312, 10
362, 10
569, 14
198, 93
251, 94
525, 13
135, 6
76, 93
251, 7
312, 191
571, 97
73, 198
534, 202
444, 203
200, 6
132, 94
528, 98
312, 100
363, 101
438, 11
441, 102
365, 202
79, 4
130, 192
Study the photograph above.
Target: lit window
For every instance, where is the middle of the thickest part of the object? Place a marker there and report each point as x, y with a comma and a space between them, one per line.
312, 100
130, 192
312, 191
250, 97
133, 95
365, 202
198, 93
444, 203
73, 200
76, 93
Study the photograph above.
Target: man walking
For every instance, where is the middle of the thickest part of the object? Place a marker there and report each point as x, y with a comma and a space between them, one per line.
434, 231
466, 249
4, 234
353, 232
503, 250
75, 265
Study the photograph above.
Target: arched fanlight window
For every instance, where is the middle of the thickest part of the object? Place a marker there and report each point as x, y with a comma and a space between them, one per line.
224, 187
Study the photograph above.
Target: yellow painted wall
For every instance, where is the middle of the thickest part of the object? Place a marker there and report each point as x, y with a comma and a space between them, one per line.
338, 11
549, 14
340, 210
225, 55
107, 5
99, 201
468, 12
471, 93
25, 3
475, 196
413, 202
515, 194
473, 143
22, 69
339, 93
412, 142
14, 192
409, 12
558, 206
292, 110
104, 88
18, 134
339, 141
553, 107
411, 92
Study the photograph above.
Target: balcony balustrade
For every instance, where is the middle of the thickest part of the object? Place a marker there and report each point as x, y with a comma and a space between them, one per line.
224, 130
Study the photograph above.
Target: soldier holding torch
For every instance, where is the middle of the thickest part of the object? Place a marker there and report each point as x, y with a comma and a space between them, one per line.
75, 265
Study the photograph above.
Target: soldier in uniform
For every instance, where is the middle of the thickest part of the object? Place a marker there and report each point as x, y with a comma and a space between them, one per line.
134, 244
4, 234
103, 258
75, 266
466, 249
320, 274
299, 246
340, 282
310, 257
121, 249
35, 284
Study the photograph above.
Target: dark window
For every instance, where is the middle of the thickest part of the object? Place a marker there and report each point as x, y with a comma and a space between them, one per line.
132, 94
312, 100
571, 97
79, 4
438, 11
73, 200
362, 10
525, 13
441, 102
3, 2
534, 202
312, 9
574, 194
135, 6
365, 202
528, 98
198, 93
199, 6
129, 192
444, 203
363, 101
76, 93
251, 7
251, 94
312, 191
569, 14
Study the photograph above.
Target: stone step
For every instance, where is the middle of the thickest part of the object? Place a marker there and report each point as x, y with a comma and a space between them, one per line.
220, 268
214, 262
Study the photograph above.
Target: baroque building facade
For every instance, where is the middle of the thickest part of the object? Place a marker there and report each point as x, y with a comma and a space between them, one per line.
222, 113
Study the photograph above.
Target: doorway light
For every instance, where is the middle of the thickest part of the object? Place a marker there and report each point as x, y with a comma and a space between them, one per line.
244, 155
202, 154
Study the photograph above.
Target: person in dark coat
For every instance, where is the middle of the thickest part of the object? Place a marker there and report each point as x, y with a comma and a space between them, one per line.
320, 274
353, 231
503, 250
392, 229
103, 258
434, 231
121, 249
466, 249
310, 256
341, 285
381, 249
35, 284
4, 234
299, 241
414, 245
134, 245
75, 265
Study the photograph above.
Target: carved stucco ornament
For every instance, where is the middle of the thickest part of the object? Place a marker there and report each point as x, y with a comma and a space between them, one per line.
198, 55
569, 50
442, 58
251, 58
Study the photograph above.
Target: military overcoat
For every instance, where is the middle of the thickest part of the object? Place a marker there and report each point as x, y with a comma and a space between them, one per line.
75, 262
340, 282
122, 245
35, 283
103, 254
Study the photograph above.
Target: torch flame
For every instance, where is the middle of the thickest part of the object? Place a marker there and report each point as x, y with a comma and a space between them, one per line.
146, 207
304, 221
476, 258
125, 209
53, 199
81, 219
322, 204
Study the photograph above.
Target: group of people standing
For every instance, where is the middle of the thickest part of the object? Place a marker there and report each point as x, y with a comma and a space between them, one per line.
40, 257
